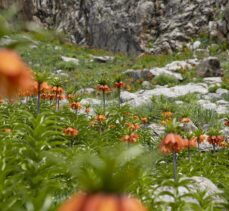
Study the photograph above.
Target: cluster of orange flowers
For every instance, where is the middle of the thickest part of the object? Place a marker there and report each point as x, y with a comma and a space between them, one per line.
132, 138
119, 85
52, 93
175, 143
185, 120
71, 131
76, 105
133, 126
144, 120
103, 88
98, 118
15, 75
215, 140
166, 117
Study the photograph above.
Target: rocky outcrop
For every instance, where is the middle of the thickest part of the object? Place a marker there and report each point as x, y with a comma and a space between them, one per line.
130, 26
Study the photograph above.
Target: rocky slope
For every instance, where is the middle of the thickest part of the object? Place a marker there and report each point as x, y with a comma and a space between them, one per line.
131, 26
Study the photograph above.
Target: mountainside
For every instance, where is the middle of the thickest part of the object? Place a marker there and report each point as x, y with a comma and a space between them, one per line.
131, 26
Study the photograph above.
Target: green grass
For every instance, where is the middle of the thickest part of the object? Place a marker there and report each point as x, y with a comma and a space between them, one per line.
47, 57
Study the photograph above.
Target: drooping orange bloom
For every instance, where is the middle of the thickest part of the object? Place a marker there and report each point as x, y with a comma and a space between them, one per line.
202, 138
223, 144
101, 202
87, 110
76, 105
144, 120
119, 85
215, 140
69, 96
167, 114
103, 88
165, 122
135, 117
190, 143
226, 123
132, 138
133, 126
60, 97
71, 131
172, 143
100, 118
15, 76
57, 90
185, 120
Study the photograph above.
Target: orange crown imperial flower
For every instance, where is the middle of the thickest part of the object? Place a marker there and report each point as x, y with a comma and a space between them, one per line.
144, 120
87, 110
167, 114
185, 120
119, 84
172, 143
190, 143
103, 88
133, 126
100, 118
226, 123
76, 105
15, 76
101, 202
132, 138
71, 131
57, 90
216, 140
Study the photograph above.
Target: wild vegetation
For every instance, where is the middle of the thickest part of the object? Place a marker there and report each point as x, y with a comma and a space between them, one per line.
53, 145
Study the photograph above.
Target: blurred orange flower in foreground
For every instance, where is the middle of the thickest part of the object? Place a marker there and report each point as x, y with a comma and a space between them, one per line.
172, 143
15, 76
101, 202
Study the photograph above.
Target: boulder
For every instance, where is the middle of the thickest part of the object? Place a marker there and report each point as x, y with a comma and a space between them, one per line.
209, 67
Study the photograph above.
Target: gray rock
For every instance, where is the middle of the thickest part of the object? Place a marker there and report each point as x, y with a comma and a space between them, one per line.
164, 71
126, 25
156, 129
221, 91
102, 59
69, 59
144, 96
209, 67
146, 85
86, 91
189, 127
213, 80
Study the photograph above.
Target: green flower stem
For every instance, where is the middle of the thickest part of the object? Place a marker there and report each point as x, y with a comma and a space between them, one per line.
38, 98
174, 166
104, 102
119, 97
